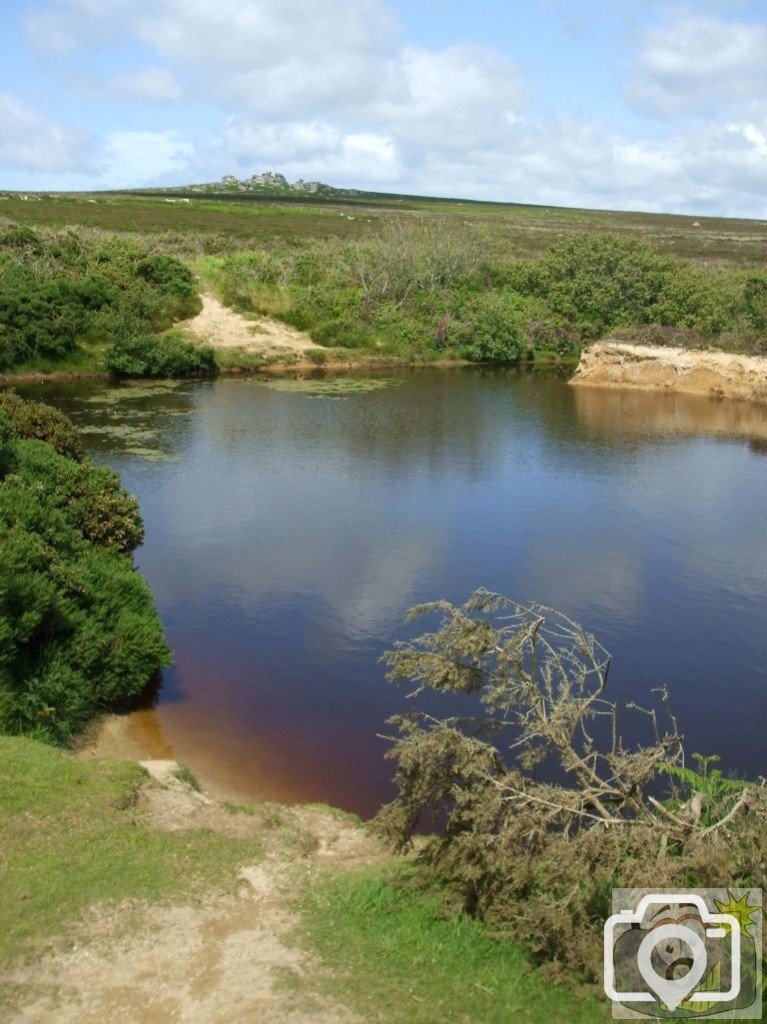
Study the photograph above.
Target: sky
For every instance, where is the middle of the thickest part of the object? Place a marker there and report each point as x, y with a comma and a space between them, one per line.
613, 104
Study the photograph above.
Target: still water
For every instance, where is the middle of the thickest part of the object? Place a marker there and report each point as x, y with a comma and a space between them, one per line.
288, 532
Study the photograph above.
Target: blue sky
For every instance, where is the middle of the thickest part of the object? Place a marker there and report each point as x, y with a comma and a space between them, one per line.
638, 105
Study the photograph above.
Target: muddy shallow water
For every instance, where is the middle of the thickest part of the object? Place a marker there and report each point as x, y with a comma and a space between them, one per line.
289, 528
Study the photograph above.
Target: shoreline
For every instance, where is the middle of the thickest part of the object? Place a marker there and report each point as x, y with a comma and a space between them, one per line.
276, 369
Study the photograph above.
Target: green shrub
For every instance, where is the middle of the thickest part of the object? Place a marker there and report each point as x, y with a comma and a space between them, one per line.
60, 289
597, 282
495, 328
755, 297
159, 356
175, 282
41, 422
47, 319
22, 239
78, 629
89, 497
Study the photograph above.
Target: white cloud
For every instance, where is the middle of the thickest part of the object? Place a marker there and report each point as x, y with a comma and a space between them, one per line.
50, 33
311, 149
330, 91
131, 158
151, 83
30, 141
693, 64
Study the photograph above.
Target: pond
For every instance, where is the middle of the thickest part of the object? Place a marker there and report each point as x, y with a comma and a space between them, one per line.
291, 524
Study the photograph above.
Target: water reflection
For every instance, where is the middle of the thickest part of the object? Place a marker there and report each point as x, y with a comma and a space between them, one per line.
287, 543
635, 415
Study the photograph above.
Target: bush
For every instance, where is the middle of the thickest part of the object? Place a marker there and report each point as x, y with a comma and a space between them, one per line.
78, 629
538, 858
23, 240
159, 356
41, 422
495, 328
60, 289
597, 282
89, 497
174, 281
755, 297
47, 319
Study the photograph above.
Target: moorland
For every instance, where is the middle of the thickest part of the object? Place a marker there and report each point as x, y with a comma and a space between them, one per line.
367, 277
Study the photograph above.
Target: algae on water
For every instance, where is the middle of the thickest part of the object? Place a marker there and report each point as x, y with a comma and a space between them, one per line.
341, 387
118, 417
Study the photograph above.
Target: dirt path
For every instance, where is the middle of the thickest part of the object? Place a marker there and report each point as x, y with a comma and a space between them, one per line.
221, 327
225, 959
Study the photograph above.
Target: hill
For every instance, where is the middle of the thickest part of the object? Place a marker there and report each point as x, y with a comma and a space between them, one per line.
268, 212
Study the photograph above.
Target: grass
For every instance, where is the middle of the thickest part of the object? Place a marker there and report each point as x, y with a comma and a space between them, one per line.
225, 223
71, 837
337, 814
86, 359
388, 954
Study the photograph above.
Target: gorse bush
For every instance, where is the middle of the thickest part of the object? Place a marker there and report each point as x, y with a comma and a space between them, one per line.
597, 282
46, 319
175, 283
78, 628
167, 355
63, 288
41, 422
538, 858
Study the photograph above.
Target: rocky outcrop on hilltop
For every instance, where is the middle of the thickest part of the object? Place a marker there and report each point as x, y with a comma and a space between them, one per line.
271, 180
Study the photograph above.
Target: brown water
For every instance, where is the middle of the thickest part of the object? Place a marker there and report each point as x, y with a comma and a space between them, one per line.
287, 535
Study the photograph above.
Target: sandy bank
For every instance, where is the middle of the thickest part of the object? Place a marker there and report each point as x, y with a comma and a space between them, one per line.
220, 327
642, 367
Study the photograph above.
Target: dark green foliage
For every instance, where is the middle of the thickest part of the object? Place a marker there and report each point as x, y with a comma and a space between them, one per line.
46, 319
78, 629
497, 327
596, 282
159, 356
755, 295
21, 239
58, 291
175, 283
41, 422
88, 497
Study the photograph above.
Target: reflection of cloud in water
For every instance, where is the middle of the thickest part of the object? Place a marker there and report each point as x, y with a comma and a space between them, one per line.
386, 585
289, 525
602, 575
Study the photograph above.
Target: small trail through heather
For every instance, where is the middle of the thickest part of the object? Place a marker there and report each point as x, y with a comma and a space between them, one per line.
220, 327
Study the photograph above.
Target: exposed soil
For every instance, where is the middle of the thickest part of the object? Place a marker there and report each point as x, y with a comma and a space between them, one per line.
220, 327
224, 959
646, 368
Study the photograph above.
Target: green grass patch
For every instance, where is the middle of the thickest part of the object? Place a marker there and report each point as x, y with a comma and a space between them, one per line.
70, 837
86, 359
337, 814
392, 955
